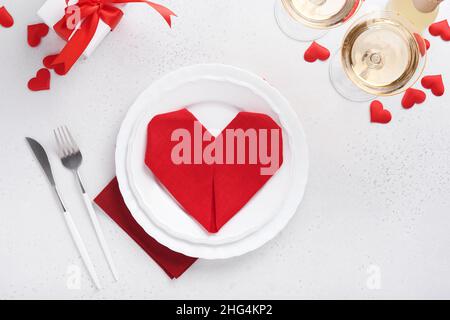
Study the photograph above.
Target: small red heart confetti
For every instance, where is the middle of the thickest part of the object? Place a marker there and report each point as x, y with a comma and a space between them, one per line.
440, 29
378, 114
6, 20
59, 69
41, 81
412, 97
353, 11
421, 43
435, 83
428, 44
35, 33
316, 51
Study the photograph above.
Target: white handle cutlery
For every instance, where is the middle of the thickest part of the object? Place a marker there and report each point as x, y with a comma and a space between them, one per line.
82, 248
71, 159
42, 158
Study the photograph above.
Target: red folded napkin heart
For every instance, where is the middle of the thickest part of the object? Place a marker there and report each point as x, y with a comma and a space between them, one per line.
111, 202
213, 178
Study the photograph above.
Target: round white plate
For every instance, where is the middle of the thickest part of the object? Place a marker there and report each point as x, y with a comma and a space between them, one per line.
215, 101
214, 94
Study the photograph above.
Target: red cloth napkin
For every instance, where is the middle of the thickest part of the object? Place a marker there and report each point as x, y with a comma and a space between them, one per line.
110, 200
213, 178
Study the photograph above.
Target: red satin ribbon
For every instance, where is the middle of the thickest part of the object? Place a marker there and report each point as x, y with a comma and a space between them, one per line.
91, 12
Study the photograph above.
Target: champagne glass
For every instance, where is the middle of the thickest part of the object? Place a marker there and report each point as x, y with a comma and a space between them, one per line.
307, 20
381, 55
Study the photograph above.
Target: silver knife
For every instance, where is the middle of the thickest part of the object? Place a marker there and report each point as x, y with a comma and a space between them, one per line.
42, 158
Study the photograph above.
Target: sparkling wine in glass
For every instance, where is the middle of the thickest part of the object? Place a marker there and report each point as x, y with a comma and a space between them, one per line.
307, 20
381, 55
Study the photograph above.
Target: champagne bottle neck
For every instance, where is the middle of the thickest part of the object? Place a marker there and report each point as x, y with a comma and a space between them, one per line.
426, 6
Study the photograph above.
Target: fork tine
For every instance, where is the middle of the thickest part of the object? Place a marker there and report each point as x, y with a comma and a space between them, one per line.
69, 141
61, 142
72, 140
66, 140
65, 146
64, 151
58, 142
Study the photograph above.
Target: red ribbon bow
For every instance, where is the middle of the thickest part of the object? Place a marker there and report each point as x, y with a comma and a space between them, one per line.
90, 14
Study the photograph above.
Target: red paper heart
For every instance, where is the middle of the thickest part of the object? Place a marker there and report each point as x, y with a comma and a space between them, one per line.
211, 193
316, 52
435, 83
41, 81
353, 11
59, 69
440, 29
378, 114
412, 97
35, 33
421, 42
427, 43
6, 20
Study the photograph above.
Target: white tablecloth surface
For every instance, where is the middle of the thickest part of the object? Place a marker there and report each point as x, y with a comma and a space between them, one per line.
375, 219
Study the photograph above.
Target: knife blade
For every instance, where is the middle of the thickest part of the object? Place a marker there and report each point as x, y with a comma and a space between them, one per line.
42, 158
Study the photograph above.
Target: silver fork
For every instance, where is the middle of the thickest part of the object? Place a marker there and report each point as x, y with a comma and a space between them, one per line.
72, 158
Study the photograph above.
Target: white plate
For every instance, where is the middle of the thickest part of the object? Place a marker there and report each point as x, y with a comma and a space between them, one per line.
216, 107
214, 93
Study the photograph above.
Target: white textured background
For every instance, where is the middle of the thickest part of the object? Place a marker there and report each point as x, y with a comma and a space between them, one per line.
378, 197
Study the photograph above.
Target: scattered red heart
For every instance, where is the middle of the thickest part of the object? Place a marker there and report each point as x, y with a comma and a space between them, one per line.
41, 81
35, 33
353, 11
316, 52
59, 69
435, 83
428, 44
6, 20
440, 29
412, 97
422, 43
378, 114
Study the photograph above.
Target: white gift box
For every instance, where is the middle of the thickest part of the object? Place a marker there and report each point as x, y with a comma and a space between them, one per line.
53, 10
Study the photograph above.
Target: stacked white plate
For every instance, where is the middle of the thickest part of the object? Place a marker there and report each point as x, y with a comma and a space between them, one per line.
214, 94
